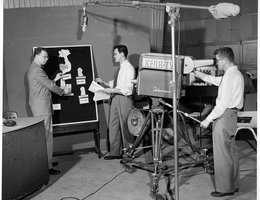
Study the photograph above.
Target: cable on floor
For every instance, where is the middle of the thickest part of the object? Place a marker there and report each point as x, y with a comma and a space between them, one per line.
74, 198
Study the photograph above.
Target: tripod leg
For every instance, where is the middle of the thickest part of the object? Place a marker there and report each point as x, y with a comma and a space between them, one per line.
142, 131
129, 152
158, 167
169, 193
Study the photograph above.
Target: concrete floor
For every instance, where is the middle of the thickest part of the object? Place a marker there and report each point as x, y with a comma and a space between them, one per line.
85, 176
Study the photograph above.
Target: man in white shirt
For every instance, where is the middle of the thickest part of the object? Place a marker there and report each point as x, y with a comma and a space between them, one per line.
224, 117
121, 90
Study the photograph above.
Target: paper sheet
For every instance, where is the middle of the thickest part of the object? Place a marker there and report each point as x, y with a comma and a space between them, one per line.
98, 91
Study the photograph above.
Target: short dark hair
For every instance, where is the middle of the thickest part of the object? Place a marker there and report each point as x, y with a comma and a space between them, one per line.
121, 48
38, 50
226, 52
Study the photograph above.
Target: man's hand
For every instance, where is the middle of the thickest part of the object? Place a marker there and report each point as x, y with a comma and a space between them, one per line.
99, 80
205, 123
109, 90
58, 77
67, 90
134, 81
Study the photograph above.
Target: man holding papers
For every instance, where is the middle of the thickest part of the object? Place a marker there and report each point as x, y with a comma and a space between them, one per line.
121, 90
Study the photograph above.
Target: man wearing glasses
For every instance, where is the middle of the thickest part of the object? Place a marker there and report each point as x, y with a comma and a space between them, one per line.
40, 88
224, 118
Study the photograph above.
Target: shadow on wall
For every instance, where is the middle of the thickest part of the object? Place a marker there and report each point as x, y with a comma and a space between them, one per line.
189, 40
134, 60
27, 106
80, 31
116, 38
5, 94
108, 20
127, 24
101, 110
26, 87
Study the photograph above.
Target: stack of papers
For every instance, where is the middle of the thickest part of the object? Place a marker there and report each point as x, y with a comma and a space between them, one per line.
98, 90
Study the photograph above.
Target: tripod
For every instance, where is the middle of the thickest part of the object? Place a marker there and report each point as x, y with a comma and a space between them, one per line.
155, 118
155, 121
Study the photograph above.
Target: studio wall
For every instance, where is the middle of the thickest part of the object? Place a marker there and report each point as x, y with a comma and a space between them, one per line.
200, 34
25, 28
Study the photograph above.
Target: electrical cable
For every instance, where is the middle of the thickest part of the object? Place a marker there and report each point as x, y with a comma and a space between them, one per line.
104, 185
184, 134
187, 135
64, 198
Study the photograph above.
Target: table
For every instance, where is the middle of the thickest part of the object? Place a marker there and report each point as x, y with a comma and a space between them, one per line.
25, 162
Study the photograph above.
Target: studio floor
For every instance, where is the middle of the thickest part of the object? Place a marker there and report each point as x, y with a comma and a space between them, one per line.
86, 177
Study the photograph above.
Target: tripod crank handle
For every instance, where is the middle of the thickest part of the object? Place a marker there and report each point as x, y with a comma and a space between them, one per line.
194, 119
187, 115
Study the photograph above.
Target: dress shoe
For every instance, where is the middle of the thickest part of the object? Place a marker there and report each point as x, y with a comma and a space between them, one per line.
53, 171
112, 157
54, 164
220, 194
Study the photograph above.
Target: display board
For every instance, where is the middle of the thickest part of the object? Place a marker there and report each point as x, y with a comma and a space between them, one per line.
76, 64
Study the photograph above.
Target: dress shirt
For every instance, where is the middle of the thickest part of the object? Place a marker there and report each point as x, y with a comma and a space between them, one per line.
230, 91
125, 75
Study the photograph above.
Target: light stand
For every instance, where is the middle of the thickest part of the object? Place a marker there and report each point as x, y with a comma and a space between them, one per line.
173, 11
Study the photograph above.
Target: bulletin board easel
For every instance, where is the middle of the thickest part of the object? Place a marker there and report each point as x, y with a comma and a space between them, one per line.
76, 113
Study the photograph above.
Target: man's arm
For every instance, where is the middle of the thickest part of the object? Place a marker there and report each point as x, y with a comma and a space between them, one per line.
208, 78
42, 77
57, 77
104, 84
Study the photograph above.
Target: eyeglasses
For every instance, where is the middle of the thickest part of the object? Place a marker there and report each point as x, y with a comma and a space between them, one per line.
219, 59
45, 57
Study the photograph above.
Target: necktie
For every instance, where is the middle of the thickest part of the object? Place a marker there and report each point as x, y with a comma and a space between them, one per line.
115, 81
115, 77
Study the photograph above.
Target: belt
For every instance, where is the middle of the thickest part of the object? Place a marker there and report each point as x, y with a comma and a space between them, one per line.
236, 109
116, 94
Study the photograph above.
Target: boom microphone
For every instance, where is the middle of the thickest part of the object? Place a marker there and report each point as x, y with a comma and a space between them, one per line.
84, 19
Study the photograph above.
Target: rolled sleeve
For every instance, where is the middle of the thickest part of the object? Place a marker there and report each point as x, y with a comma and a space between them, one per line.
111, 83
